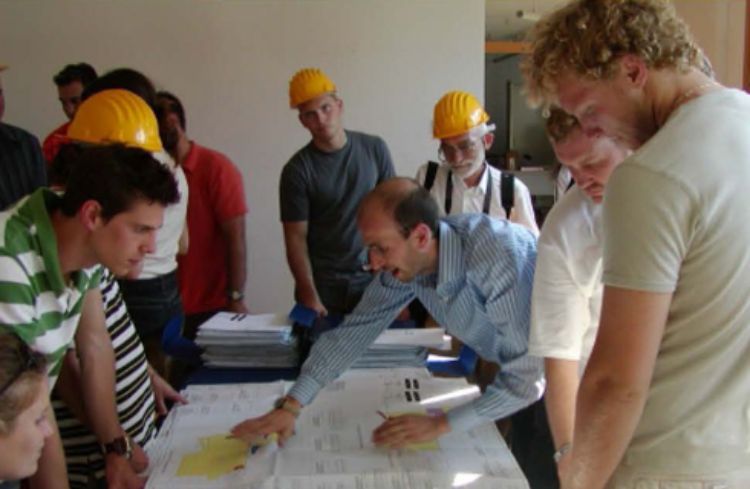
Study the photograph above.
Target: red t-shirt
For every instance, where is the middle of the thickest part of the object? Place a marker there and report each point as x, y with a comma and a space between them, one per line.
52, 143
216, 195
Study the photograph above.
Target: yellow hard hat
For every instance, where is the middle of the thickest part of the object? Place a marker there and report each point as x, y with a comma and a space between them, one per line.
456, 113
116, 116
307, 84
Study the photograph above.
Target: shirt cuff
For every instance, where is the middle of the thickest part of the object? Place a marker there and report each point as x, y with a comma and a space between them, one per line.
305, 389
463, 418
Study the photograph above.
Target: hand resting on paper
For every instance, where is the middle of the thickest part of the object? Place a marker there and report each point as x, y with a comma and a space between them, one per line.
407, 429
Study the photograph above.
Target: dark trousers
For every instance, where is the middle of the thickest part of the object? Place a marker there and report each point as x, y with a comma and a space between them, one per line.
151, 304
532, 446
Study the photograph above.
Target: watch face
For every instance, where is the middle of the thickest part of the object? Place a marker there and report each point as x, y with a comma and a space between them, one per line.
120, 446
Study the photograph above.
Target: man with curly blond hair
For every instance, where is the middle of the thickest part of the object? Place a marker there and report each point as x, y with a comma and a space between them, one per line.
665, 399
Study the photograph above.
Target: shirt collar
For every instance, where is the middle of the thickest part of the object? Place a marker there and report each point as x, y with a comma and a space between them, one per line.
482, 185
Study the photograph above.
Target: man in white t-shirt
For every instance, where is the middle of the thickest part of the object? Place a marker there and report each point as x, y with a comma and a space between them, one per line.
465, 182
665, 397
567, 293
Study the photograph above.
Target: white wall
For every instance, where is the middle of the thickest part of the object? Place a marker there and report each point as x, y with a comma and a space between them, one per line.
719, 28
230, 62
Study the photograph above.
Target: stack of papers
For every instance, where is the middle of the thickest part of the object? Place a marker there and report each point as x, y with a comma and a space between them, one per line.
402, 348
248, 341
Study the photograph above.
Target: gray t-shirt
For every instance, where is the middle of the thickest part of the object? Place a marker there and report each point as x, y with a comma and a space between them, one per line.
676, 221
325, 189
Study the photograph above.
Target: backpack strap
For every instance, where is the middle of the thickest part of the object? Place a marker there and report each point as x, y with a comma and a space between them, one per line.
507, 192
429, 177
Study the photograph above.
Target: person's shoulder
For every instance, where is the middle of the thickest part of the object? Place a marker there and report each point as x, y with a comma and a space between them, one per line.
422, 171
204, 152
573, 215
213, 160
15, 133
365, 139
478, 227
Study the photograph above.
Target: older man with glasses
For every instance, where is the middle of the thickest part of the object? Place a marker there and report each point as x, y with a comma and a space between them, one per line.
465, 182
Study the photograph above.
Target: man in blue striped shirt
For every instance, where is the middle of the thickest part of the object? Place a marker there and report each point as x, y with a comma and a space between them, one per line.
473, 274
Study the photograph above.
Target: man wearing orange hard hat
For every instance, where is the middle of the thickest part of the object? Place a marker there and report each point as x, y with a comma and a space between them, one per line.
320, 189
110, 442
465, 182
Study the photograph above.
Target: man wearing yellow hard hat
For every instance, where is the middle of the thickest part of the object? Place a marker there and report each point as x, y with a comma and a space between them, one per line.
113, 203
109, 117
465, 182
320, 189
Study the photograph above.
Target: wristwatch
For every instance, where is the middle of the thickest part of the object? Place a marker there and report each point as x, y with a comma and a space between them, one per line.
235, 295
120, 446
285, 404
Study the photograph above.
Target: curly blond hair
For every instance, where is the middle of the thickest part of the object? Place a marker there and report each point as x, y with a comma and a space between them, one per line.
560, 124
587, 37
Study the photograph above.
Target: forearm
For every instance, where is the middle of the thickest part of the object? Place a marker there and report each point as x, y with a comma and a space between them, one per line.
98, 393
236, 263
52, 472
606, 416
298, 258
517, 384
68, 387
615, 386
338, 348
299, 264
560, 398
97, 363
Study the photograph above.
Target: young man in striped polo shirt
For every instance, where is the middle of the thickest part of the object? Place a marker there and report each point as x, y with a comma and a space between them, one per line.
51, 246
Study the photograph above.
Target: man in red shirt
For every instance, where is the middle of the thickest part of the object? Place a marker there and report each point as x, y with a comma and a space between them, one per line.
70, 82
212, 273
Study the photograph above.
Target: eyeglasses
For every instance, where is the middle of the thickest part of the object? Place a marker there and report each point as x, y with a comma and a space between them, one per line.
28, 360
449, 152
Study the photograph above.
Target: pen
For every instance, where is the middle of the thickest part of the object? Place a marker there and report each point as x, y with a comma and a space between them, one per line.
382, 414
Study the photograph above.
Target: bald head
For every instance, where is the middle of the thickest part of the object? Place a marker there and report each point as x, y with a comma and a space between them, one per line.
404, 201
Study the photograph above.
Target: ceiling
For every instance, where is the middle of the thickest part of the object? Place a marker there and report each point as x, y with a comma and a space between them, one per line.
503, 23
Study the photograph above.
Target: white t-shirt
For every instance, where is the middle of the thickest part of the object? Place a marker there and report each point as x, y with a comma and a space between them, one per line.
471, 199
164, 259
677, 220
567, 295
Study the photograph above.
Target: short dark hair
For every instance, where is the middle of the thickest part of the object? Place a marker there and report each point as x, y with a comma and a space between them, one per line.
175, 106
417, 207
406, 201
126, 79
76, 72
116, 177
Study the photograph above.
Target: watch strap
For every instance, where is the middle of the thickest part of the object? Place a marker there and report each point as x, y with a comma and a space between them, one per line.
120, 446
283, 403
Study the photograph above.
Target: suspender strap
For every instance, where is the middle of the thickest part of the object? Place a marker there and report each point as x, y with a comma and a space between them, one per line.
449, 193
487, 194
429, 177
506, 192
570, 184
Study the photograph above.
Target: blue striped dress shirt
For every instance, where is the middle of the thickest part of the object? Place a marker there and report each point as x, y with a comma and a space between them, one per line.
481, 294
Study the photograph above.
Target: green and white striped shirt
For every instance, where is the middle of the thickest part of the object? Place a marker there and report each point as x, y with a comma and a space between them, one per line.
35, 301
